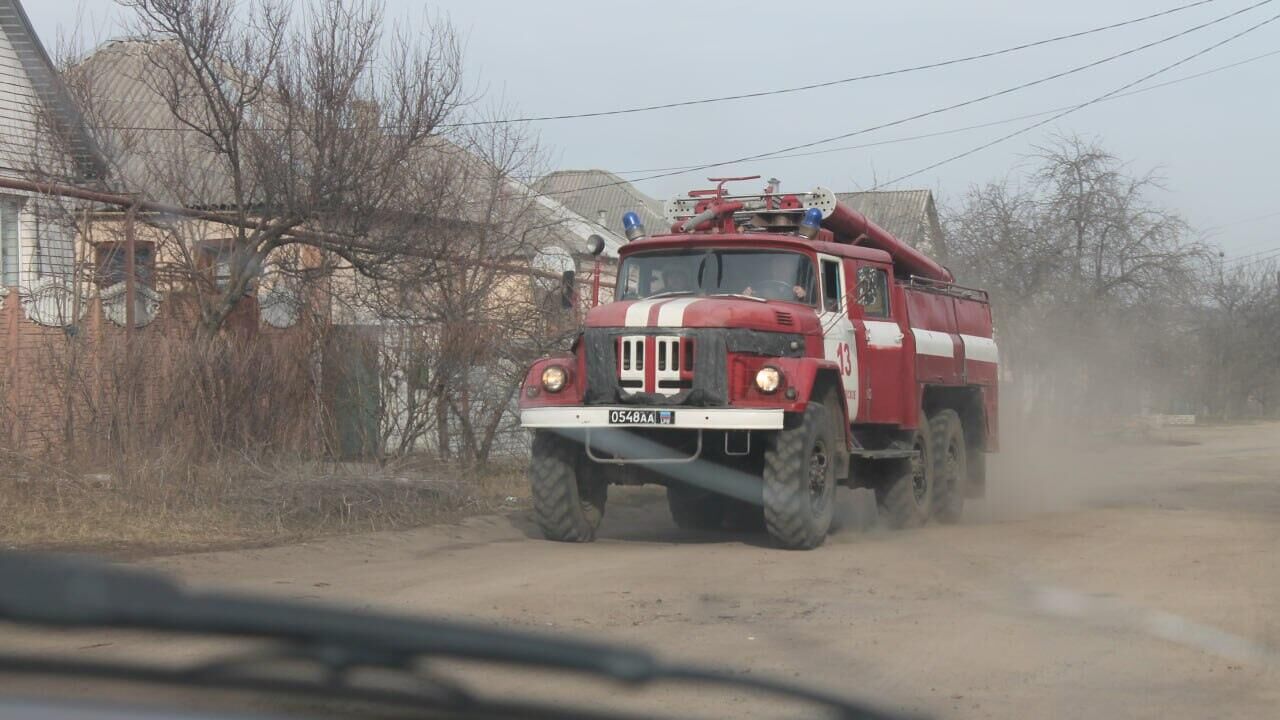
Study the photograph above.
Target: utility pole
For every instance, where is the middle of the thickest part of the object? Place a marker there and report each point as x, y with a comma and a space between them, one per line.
130, 273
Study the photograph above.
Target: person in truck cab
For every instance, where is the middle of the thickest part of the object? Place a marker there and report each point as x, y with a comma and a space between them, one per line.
675, 280
781, 275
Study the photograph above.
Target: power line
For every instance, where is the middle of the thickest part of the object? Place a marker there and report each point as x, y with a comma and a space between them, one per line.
841, 81
1239, 258
780, 91
1085, 104
1258, 258
1233, 223
966, 128
935, 111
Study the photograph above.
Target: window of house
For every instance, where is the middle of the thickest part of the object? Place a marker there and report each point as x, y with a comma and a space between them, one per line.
216, 256
10, 263
111, 261
873, 292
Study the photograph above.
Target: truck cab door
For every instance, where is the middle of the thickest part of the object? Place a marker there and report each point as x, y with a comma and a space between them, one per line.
837, 328
880, 343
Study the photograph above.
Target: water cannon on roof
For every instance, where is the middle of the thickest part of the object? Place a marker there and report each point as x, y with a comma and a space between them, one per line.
815, 215
770, 210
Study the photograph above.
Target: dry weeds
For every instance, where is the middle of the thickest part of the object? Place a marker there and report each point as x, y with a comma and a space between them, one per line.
159, 508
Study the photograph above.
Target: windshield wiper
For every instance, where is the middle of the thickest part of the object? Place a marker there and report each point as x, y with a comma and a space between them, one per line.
67, 592
669, 293
740, 295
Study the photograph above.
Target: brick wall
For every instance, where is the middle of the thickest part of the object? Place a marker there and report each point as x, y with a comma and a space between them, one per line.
68, 390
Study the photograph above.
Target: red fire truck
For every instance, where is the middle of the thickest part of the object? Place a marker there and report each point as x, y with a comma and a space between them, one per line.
763, 350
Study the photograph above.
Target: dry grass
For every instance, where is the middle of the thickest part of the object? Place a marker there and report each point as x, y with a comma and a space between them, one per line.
156, 509
192, 446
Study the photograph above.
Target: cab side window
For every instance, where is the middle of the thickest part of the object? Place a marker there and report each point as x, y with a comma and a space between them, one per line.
831, 286
629, 286
873, 292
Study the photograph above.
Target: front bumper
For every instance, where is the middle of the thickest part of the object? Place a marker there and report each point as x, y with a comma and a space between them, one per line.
688, 418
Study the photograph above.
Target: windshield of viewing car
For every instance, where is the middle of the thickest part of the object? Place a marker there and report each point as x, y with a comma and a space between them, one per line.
767, 274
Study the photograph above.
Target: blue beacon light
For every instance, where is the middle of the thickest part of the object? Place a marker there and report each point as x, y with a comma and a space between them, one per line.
632, 225
811, 223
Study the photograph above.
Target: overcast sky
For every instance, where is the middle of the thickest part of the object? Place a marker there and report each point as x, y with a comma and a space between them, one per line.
1213, 138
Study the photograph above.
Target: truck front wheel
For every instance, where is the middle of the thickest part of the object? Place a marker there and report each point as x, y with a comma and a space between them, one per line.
568, 502
800, 478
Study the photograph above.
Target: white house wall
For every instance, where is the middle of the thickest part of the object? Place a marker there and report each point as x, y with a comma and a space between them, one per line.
17, 111
48, 247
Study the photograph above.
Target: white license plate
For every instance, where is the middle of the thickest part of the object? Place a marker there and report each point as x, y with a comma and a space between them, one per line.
642, 417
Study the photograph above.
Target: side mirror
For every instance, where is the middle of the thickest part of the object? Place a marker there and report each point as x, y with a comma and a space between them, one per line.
595, 244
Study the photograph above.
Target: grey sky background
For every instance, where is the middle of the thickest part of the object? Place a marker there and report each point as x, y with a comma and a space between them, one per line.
1212, 138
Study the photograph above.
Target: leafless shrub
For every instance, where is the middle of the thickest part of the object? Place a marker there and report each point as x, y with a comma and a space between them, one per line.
1093, 284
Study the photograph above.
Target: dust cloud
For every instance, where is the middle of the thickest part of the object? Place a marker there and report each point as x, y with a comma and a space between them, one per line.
1061, 465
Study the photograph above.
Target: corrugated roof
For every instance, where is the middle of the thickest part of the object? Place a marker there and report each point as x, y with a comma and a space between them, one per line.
48, 86
909, 215
588, 192
151, 151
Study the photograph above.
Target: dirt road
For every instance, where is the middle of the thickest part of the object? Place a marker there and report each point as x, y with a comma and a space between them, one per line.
1137, 581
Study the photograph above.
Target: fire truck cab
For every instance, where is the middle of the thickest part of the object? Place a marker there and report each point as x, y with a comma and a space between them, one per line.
764, 350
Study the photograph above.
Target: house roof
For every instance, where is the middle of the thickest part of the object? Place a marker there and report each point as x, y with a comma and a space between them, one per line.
48, 86
152, 151
577, 228
591, 192
909, 215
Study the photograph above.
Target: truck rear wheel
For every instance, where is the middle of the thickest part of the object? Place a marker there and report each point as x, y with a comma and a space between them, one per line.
906, 492
693, 508
800, 478
946, 435
568, 503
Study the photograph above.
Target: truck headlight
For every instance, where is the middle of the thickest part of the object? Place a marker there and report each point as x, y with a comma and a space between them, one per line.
768, 379
554, 378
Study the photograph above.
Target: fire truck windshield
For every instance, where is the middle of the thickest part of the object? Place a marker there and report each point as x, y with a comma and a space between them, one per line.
767, 274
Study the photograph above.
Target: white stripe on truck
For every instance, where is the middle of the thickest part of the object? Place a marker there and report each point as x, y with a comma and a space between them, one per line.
932, 342
980, 348
638, 313
881, 334
672, 314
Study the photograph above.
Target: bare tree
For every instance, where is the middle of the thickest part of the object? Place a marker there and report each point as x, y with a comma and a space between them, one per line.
320, 151
1238, 323
299, 130
1118, 243
1091, 279
462, 343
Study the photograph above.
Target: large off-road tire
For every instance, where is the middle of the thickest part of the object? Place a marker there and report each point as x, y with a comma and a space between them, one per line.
951, 473
905, 491
568, 502
800, 478
693, 508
